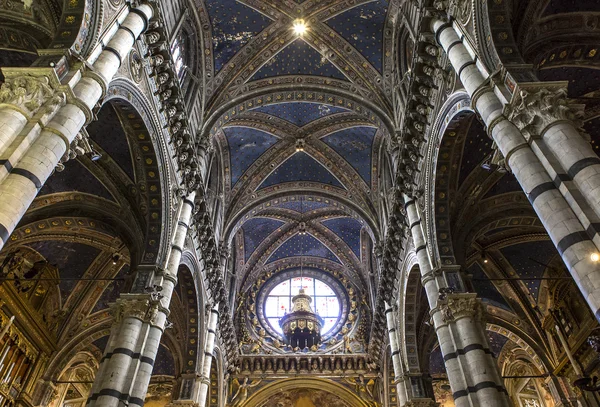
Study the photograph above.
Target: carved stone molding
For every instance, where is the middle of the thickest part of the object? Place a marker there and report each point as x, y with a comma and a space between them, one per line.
421, 403
304, 364
456, 306
534, 106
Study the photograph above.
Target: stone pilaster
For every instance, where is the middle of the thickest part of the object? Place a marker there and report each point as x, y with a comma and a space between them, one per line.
566, 231
37, 163
472, 371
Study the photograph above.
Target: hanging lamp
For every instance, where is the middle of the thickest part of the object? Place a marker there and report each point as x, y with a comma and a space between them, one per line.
302, 327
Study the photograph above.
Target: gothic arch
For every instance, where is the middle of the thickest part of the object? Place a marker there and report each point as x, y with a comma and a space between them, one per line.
410, 315
157, 175
332, 91
438, 149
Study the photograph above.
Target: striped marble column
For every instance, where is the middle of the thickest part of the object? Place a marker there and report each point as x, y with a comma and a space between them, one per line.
208, 356
126, 367
27, 176
543, 110
562, 224
396, 362
472, 371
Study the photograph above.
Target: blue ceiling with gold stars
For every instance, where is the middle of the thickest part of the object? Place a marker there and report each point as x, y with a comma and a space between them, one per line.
72, 260
496, 341
355, 146
528, 259
485, 288
233, 25
302, 245
112, 290
108, 133
436, 362
570, 6
301, 206
298, 58
245, 146
581, 80
255, 231
164, 363
300, 113
362, 26
592, 127
301, 167
75, 177
508, 183
477, 146
348, 229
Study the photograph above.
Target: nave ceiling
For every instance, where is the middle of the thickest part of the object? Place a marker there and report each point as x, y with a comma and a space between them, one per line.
299, 182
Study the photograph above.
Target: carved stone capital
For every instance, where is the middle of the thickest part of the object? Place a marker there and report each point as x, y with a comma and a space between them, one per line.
463, 305
137, 306
26, 93
534, 106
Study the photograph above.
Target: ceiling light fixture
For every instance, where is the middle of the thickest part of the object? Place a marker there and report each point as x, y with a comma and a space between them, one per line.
299, 27
595, 257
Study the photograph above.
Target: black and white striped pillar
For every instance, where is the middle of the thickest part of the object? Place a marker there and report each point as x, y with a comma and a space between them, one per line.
208, 356
29, 174
399, 376
126, 367
471, 369
561, 222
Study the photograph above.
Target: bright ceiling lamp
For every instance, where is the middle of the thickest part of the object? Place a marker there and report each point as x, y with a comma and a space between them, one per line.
300, 27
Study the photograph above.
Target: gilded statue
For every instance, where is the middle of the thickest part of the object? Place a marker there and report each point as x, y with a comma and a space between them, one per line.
241, 395
364, 389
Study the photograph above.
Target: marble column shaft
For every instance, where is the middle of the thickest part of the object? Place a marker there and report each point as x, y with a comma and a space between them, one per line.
27, 176
472, 371
126, 367
208, 356
561, 223
395, 349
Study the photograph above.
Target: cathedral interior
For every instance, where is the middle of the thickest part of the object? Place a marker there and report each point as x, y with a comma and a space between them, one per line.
299, 203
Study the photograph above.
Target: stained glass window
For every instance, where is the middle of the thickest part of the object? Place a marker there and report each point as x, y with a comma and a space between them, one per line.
325, 302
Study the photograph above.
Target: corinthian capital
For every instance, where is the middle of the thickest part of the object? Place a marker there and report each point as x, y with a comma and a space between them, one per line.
534, 106
456, 306
26, 93
132, 305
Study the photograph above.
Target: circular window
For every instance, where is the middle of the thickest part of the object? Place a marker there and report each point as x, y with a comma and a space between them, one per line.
325, 302
328, 300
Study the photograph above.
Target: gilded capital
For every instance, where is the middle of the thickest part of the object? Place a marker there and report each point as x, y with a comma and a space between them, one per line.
535, 106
